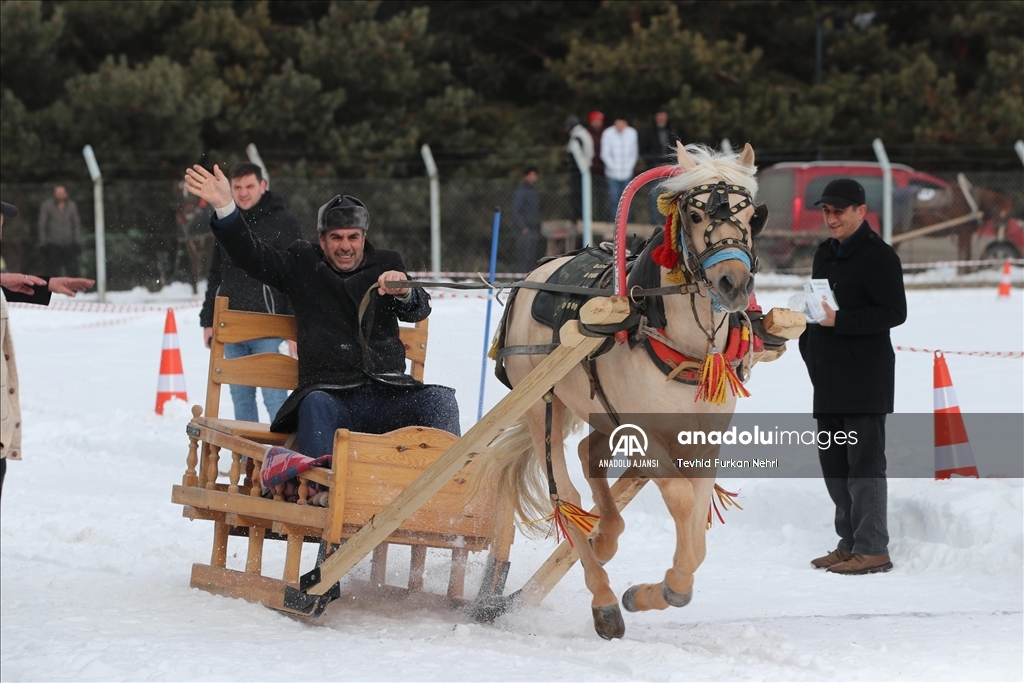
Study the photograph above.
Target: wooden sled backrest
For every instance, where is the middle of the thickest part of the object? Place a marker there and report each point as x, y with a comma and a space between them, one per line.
275, 370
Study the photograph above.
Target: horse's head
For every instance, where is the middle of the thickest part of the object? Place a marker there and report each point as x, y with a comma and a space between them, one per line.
717, 221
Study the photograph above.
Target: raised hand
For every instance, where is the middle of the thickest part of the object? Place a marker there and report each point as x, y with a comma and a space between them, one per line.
22, 284
70, 286
213, 187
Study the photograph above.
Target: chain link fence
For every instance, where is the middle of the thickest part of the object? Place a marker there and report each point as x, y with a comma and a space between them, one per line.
155, 234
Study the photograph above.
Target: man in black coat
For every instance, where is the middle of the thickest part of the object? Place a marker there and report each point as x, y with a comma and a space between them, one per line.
852, 366
657, 148
270, 220
348, 377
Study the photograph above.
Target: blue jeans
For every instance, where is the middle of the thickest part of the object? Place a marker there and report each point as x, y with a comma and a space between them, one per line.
615, 189
244, 398
374, 409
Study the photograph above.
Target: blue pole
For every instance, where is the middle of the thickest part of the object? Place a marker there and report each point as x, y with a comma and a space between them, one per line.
490, 300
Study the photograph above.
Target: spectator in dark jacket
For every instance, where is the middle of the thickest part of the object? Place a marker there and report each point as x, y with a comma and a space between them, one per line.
852, 366
351, 371
267, 216
656, 142
526, 216
60, 233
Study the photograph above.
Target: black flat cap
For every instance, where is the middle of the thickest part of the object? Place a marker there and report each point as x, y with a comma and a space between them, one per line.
841, 193
9, 210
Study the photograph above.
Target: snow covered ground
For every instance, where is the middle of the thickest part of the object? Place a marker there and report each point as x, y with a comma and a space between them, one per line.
96, 560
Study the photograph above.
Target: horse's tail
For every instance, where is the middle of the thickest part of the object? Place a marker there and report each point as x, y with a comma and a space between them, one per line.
510, 469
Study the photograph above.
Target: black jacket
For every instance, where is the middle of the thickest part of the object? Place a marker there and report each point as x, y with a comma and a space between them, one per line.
326, 305
273, 223
852, 365
652, 151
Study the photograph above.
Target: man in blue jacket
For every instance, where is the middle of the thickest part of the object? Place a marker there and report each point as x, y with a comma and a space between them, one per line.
348, 377
852, 366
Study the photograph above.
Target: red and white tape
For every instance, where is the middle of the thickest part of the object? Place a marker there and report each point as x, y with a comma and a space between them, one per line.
952, 264
983, 354
97, 307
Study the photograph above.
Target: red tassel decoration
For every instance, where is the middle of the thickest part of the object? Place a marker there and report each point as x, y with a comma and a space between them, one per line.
715, 375
665, 256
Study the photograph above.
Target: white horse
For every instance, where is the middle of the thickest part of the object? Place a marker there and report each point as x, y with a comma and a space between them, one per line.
709, 246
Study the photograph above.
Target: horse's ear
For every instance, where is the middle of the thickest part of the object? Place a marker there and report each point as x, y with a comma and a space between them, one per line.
747, 157
685, 160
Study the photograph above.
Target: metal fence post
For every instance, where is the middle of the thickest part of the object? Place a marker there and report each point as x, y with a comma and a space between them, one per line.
435, 208
883, 161
586, 192
101, 241
254, 157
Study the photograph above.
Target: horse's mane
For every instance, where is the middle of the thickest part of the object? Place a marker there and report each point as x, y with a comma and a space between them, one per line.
712, 165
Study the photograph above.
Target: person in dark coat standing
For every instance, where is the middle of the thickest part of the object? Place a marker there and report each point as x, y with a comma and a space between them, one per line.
657, 142
348, 377
270, 220
851, 363
526, 216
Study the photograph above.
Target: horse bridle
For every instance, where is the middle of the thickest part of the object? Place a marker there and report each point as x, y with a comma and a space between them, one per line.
719, 211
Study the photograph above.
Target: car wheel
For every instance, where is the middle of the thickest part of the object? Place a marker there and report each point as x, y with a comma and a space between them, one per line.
1001, 251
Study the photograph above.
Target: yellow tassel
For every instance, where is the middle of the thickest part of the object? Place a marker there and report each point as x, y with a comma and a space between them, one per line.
580, 518
715, 376
666, 204
726, 498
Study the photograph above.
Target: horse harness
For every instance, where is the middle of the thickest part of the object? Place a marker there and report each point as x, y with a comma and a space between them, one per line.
587, 275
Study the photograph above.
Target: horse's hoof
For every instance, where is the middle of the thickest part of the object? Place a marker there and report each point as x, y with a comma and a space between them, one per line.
608, 622
675, 599
629, 599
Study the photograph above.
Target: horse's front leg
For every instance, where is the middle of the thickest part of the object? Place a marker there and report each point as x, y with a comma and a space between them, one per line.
605, 605
687, 501
592, 450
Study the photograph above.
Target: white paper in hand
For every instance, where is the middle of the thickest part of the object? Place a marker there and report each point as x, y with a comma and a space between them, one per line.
818, 291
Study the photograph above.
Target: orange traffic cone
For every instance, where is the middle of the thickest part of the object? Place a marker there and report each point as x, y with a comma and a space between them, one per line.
1004, 281
172, 377
953, 453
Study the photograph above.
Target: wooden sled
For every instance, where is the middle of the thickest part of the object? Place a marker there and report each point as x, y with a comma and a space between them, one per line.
368, 472
420, 515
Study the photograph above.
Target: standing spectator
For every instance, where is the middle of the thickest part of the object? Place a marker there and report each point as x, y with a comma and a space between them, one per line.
60, 233
656, 142
619, 152
580, 134
595, 126
269, 219
27, 289
526, 216
852, 366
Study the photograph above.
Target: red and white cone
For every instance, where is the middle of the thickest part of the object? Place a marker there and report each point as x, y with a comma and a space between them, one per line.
953, 454
1004, 282
171, 383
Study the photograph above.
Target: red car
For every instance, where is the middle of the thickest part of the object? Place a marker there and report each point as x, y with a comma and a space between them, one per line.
795, 225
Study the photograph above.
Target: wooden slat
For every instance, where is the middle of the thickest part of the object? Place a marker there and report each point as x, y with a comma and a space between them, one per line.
239, 326
379, 565
457, 577
417, 564
304, 515
507, 411
255, 431
273, 370
235, 584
